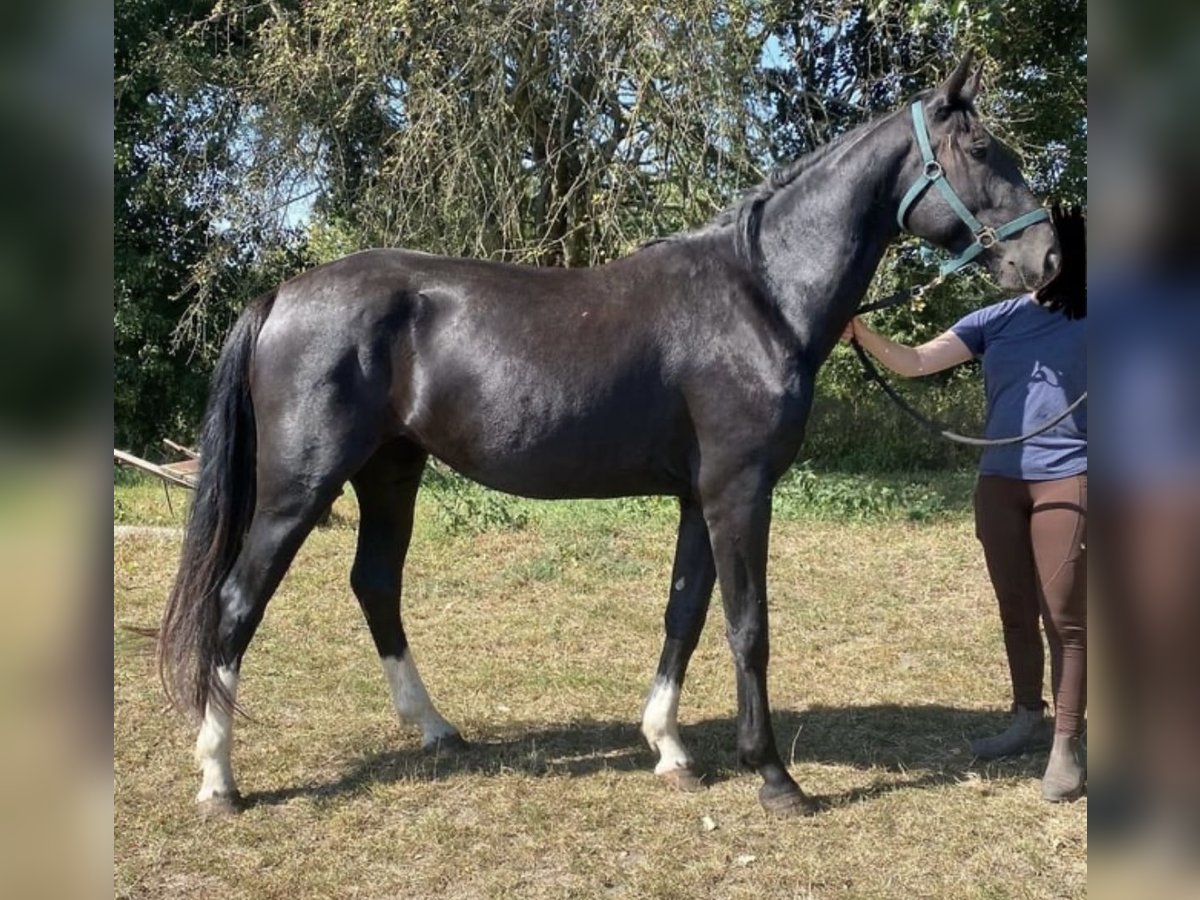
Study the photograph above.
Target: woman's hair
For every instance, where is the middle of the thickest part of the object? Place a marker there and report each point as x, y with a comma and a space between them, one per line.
1067, 291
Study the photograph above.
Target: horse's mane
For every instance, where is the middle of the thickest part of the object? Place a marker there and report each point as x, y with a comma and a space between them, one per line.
781, 177
741, 212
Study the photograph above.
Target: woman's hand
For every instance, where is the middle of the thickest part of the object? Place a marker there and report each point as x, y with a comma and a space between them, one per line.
850, 332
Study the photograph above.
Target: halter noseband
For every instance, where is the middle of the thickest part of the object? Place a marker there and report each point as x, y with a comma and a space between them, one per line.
932, 173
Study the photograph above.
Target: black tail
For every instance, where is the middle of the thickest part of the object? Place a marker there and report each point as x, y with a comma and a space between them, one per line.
220, 514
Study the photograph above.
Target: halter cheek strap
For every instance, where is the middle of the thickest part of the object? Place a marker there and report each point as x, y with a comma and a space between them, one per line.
932, 174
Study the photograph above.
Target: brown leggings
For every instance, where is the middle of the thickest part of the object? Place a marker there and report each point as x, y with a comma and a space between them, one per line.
1033, 535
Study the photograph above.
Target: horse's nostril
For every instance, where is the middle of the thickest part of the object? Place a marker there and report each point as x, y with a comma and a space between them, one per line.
1053, 260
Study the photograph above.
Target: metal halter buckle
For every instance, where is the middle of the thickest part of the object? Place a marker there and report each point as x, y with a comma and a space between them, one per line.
987, 238
933, 170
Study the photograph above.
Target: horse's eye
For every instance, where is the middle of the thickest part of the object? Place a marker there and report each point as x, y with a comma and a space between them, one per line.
979, 151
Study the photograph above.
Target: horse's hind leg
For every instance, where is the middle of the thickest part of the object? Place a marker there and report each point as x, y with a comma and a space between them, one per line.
691, 587
285, 513
387, 491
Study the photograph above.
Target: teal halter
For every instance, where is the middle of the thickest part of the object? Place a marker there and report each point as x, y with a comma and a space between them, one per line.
985, 236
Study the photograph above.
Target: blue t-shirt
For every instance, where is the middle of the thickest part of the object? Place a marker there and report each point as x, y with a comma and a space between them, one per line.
1034, 366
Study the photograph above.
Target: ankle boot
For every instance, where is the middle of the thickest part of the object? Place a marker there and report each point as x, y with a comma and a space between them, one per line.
1024, 733
1065, 773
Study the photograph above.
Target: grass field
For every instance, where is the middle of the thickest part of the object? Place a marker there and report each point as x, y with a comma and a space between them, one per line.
537, 627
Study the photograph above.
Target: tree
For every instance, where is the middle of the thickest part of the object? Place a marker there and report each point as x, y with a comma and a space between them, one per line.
561, 133
172, 164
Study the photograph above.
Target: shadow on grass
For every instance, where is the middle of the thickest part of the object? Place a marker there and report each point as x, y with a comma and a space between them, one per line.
925, 745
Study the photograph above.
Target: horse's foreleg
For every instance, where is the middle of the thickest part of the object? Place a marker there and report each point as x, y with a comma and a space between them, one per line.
387, 492
691, 586
738, 513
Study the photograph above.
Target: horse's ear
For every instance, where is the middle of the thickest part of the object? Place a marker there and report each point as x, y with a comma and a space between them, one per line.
952, 88
970, 90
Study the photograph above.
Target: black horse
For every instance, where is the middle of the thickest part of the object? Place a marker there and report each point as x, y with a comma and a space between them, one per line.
685, 369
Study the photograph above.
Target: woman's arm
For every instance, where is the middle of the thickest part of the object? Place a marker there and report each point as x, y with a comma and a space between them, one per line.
943, 352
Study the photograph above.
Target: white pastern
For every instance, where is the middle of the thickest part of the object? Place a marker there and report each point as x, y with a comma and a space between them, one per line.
412, 700
661, 728
214, 743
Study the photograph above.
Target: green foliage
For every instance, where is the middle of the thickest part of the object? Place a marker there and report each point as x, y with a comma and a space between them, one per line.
464, 507
838, 63
805, 492
174, 243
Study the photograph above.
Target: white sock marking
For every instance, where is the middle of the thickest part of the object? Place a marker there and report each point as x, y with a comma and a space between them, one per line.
661, 728
214, 743
412, 700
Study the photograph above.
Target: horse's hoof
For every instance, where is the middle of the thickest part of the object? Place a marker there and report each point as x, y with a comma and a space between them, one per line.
682, 779
787, 800
219, 806
450, 743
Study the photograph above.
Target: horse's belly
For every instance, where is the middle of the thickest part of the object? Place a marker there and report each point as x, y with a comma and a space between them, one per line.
551, 482
549, 454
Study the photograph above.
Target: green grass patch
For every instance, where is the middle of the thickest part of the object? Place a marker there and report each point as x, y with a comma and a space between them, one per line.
455, 506
806, 492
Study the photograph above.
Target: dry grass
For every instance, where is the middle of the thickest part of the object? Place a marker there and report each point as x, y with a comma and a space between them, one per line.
540, 643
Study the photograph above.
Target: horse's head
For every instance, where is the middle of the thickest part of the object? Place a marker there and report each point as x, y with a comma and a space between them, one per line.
966, 193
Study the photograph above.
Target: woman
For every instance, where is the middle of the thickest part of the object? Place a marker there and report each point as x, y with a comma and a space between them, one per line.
1031, 498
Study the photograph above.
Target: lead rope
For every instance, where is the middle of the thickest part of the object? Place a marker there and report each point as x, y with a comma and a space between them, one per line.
871, 373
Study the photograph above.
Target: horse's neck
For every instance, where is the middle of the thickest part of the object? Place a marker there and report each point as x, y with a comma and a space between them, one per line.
823, 236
